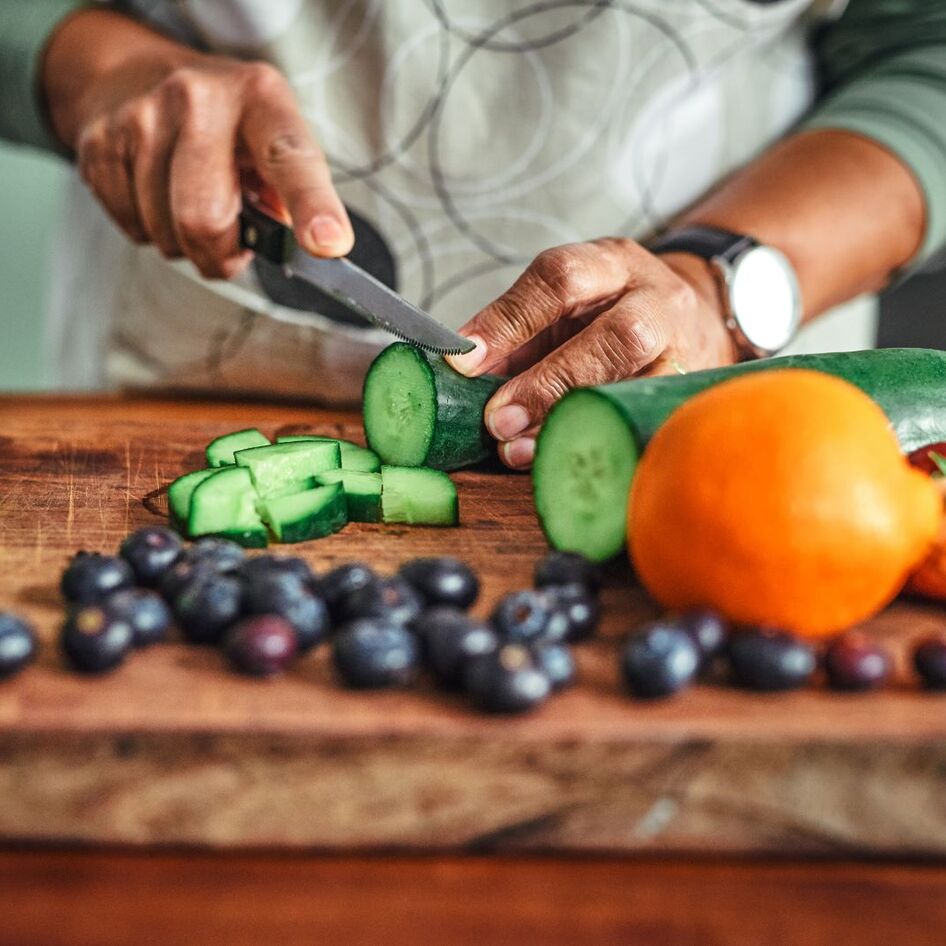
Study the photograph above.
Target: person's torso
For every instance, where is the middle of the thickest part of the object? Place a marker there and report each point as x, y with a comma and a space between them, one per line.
468, 135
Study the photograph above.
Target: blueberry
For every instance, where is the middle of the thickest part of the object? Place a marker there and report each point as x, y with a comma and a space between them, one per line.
566, 568
207, 606
336, 586
90, 576
95, 641
522, 616
371, 653
709, 632
262, 646
929, 658
770, 660
146, 612
659, 660
392, 599
151, 551
224, 554
855, 662
442, 580
507, 680
18, 644
575, 613
281, 592
278, 564
557, 663
183, 573
450, 638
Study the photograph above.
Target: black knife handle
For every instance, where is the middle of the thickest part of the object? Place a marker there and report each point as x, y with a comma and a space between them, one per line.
265, 235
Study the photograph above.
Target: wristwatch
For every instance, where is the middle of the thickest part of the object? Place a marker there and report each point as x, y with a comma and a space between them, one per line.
759, 287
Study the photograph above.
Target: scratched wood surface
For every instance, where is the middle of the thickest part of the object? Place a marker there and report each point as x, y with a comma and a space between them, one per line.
174, 749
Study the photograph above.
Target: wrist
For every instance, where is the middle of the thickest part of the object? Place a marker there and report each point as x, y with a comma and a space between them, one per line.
96, 58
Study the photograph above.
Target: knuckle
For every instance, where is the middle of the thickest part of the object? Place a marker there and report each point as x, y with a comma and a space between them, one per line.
682, 296
186, 89
561, 274
289, 147
262, 78
636, 340
136, 122
554, 378
204, 221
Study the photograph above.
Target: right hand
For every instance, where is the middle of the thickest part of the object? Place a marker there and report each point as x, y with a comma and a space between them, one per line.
160, 139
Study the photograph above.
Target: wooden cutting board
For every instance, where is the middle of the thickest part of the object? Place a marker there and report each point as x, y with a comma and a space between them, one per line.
172, 748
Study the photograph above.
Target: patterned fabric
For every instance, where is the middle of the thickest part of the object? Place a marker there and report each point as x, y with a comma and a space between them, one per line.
469, 135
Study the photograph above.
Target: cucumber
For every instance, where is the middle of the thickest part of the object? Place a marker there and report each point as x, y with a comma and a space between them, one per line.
179, 497
311, 514
225, 504
285, 468
355, 458
220, 451
418, 496
589, 444
418, 411
362, 493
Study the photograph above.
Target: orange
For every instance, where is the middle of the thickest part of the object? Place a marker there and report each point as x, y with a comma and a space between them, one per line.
779, 498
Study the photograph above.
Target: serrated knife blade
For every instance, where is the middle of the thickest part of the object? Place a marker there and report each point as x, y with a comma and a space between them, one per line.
352, 286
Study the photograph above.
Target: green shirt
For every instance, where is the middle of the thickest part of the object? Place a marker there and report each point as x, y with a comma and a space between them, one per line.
882, 68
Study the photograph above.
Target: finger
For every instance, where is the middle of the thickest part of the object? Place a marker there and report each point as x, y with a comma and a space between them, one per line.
103, 160
288, 157
518, 454
205, 192
151, 170
543, 344
567, 281
616, 345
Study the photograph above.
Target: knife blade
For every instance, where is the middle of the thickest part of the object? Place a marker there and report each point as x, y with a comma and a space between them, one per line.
352, 286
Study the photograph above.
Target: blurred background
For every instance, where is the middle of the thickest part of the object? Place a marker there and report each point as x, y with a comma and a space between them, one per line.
30, 189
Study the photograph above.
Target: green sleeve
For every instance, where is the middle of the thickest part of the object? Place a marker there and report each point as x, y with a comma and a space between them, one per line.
25, 26
883, 73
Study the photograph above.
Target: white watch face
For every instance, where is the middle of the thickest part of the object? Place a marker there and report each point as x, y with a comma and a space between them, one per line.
764, 298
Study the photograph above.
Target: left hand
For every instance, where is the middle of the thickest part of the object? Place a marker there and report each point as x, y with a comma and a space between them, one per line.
591, 313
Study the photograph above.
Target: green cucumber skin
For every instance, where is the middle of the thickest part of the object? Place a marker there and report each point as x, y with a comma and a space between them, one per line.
909, 384
459, 436
363, 506
179, 495
332, 518
249, 538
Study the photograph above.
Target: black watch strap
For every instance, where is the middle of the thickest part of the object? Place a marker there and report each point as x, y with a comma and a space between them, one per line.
706, 242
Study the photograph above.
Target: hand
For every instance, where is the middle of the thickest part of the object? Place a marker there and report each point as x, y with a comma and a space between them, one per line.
591, 313
161, 134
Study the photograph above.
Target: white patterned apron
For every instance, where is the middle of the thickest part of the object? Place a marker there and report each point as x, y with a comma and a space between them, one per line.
467, 135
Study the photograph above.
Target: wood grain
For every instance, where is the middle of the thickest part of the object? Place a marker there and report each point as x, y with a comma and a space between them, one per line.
174, 749
112, 899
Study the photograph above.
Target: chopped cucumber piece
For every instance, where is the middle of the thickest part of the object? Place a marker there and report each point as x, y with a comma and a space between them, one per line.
225, 504
418, 496
356, 458
220, 451
362, 493
418, 411
311, 514
179, 497
285, 468
582, 473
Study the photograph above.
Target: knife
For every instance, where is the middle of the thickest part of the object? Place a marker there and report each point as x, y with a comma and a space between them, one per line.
354, 288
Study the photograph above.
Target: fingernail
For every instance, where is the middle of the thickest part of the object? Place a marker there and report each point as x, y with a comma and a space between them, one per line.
507, 421
326, 232
469, 362
519, 453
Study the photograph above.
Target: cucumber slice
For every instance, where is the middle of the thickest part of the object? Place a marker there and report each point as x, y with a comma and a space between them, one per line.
225, 504
220, 451
285, 468
179, 497
582, 473
359, 459
311, 514
418, 496
362, 493
418, 411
